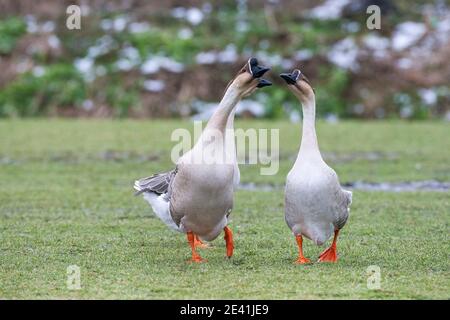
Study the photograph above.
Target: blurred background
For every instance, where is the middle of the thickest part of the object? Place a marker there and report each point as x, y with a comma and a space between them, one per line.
159, 59
67, 166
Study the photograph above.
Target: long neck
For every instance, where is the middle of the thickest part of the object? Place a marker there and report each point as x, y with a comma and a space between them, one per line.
220, 117
230, 138
216, 143
309, 137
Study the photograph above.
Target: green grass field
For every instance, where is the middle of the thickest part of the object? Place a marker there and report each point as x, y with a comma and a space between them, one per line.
66, 199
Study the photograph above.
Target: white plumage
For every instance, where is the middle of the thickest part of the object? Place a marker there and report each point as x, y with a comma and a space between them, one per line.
315, 204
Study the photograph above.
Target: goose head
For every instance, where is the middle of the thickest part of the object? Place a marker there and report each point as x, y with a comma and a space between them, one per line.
248, 79
299, 85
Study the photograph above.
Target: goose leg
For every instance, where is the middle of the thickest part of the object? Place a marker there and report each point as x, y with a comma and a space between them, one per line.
301, 258
229, 241
330, 254
195, 256
198, 243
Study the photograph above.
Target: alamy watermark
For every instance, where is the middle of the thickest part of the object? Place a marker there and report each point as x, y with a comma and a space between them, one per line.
73, 277
374, 20
373, 277
250, 146
73, 21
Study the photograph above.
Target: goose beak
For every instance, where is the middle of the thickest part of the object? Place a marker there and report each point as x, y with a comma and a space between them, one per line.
257, 70
294, 78
263, 83
290, 78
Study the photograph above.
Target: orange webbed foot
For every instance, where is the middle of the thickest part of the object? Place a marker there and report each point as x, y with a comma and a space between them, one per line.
302, 260
197, 259
330, 254
199, 244
195, 256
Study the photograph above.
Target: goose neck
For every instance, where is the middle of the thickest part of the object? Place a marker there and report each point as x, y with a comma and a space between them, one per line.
226, 107
309, 137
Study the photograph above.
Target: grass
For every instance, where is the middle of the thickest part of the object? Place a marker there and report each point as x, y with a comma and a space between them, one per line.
66, 198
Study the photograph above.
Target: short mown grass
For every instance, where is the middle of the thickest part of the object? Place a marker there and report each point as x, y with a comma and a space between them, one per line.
66, 199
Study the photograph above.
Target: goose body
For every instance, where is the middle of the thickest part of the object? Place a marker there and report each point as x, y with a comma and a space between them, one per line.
205, 188
197, 196
315, 204
203, 197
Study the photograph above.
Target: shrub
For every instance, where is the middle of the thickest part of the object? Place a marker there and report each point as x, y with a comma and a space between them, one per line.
60, 86
11, 29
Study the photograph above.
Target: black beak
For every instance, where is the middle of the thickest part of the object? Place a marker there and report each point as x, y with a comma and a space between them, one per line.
259, 71
256, 69
290, 78
263, 83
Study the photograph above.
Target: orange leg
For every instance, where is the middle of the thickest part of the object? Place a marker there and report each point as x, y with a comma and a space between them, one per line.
198, 243
301, 258
330, 254
195, 256
229, 241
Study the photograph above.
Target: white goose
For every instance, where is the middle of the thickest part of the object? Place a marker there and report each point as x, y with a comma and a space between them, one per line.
315, 203
197, 196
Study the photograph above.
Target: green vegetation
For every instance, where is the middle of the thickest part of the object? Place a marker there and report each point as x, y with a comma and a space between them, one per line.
329, 96
60, 86
276, 34
11, 29
66, 198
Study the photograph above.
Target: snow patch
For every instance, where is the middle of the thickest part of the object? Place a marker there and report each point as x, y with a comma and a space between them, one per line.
84, 65
88, 104
379, 46
330, 9
138, 27
428, 96
406, 34
229, 54
193, 15
304, 54
344, 54
154, 85
208, 57
54, 42
154, 63
38, 71
185, 33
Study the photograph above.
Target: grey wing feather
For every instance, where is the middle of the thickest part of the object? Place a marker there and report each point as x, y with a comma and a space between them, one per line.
344, 209
159, 183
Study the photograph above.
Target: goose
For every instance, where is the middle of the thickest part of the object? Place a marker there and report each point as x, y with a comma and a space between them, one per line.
196, 197
315, 204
